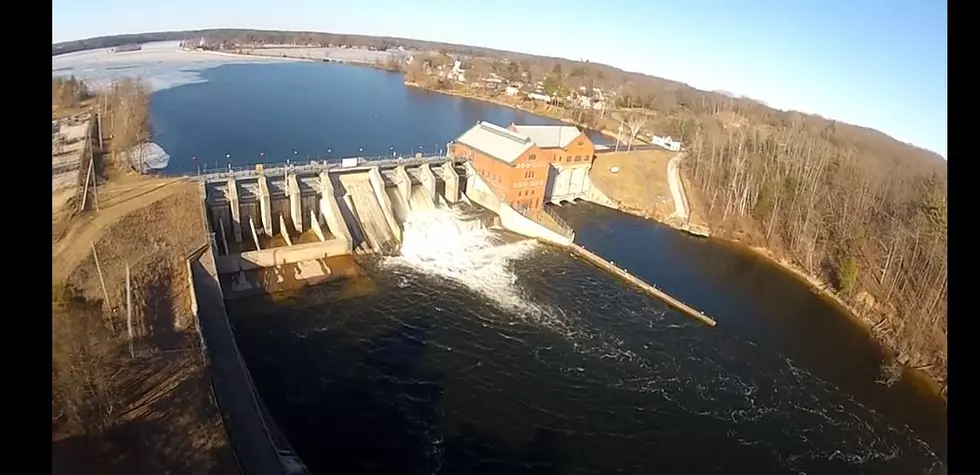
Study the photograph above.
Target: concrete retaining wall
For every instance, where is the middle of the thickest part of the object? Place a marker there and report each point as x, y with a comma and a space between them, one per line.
236, 216
517, 222
595, 195
378, 186
265, 206
480, 193
315, 224
331, 210
655, 292
284, 230
428, 180
280, 256
452, 182
404, 184
295, 202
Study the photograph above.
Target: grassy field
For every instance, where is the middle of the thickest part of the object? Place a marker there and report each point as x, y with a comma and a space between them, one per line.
640, 183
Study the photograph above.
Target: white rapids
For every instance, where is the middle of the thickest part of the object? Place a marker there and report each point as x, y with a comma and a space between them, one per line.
438, 240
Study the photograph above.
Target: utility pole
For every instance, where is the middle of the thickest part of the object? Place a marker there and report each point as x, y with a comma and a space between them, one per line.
105, 293
85, 187
95, 176
95, 190
129, 313
98, 118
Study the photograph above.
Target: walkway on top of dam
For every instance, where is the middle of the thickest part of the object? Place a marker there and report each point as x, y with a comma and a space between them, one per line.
315, 166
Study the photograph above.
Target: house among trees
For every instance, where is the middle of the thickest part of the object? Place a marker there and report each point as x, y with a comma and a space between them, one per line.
666, 142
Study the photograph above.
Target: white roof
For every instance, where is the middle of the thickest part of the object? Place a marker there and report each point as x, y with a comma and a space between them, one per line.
496, 141
550, 136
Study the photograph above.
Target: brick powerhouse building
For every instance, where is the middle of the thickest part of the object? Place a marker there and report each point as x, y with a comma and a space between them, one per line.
516, 161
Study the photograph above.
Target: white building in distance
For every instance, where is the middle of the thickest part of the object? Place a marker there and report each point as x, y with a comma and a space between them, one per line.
539, 97
666, 142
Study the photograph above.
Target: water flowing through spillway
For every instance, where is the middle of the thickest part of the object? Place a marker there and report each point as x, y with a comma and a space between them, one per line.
443, 241
420, 201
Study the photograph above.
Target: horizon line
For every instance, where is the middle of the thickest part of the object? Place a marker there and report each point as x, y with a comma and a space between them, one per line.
729, 93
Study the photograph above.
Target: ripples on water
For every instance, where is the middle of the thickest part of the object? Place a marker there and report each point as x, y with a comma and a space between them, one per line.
472, 358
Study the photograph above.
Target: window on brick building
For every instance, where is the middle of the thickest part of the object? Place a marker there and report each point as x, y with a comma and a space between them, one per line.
532, 157
578, 158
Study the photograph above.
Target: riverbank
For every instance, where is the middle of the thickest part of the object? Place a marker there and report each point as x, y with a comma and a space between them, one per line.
640, 185
297, 58
549, 113
926, 378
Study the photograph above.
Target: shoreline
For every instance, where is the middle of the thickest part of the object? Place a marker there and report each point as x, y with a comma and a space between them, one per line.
918, 377
818, 286
283, 58
822, 289
500, 103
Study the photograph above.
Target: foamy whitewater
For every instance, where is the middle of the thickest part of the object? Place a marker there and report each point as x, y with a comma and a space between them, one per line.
438, 241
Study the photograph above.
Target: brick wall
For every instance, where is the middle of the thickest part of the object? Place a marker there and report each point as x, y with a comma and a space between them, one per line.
520, 184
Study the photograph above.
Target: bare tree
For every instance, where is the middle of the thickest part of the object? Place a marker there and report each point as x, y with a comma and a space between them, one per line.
634, 123
129, 122
81, 355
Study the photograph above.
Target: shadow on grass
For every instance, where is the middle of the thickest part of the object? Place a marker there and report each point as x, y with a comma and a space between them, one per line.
168, 425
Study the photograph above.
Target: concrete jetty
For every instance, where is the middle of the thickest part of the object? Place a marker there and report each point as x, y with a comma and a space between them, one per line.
604, 264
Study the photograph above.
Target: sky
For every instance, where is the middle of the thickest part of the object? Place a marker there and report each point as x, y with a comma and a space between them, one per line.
875, 63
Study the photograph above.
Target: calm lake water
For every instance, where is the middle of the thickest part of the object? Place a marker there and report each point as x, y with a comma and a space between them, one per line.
562, 370
266, 112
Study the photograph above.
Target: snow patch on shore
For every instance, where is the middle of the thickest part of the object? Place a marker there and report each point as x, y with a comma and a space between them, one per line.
151, 155
162, 65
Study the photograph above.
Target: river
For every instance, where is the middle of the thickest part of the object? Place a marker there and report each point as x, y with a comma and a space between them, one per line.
531, 361
525, 359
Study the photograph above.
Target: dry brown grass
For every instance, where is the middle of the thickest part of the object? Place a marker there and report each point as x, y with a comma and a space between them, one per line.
58, 112
641, 183
164, 418
164, 422
116, 202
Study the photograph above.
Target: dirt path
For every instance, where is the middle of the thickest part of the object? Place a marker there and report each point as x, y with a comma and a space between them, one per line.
677, 187
116, 202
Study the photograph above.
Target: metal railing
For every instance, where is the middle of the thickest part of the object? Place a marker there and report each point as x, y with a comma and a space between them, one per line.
561, 226
313, 166
566, 230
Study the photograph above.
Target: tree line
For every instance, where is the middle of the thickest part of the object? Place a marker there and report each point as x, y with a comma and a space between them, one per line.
68, 93
125, 109
873, 224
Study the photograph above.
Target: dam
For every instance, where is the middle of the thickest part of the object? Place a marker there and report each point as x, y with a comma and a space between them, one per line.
274, 229
294, 217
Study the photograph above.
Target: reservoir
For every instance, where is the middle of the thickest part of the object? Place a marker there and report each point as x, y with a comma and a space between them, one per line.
485, 354
318, 110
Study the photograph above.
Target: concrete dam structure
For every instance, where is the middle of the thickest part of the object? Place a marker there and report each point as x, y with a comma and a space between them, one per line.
297, 217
